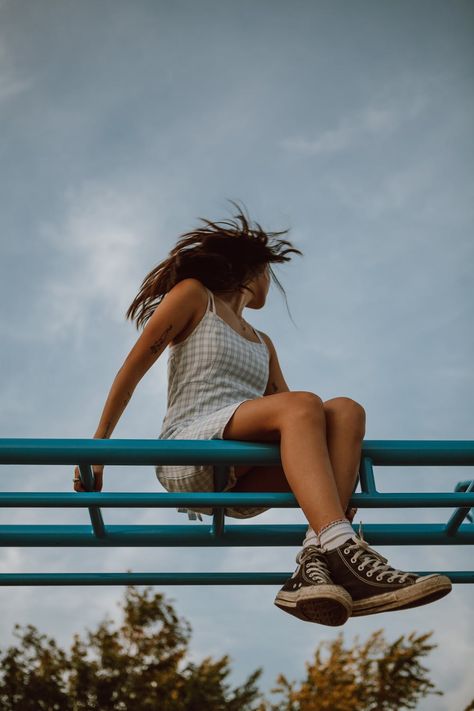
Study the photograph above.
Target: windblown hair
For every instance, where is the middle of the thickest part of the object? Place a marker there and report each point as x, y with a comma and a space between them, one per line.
224, 256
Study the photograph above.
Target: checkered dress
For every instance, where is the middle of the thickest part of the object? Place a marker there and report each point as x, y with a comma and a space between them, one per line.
210, 374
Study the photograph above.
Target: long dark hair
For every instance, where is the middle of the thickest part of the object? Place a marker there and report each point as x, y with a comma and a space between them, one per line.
223, 256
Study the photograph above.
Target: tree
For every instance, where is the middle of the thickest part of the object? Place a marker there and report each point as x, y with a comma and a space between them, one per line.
375, 676
140, 663
130, 666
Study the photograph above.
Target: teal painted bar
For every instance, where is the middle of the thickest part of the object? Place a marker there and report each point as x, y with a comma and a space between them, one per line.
257, 578
221, 454
87, 478
388, 534
178, 451
51, 499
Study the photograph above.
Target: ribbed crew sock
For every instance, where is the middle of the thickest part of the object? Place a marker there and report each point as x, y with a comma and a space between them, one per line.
335, 534
311, 538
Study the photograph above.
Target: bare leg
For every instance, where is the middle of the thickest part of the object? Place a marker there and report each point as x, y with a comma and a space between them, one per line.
305, 459
344, 453
345, 430
306, 428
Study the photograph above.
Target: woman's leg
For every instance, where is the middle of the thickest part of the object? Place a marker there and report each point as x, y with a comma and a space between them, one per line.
345, 430
298, 420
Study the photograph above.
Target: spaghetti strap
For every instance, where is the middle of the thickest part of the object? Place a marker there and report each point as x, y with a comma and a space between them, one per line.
211, 306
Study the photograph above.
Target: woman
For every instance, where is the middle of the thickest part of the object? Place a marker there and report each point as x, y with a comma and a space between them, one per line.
225, 382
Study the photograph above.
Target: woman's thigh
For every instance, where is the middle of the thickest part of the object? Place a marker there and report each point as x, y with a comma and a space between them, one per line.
261, 478
261, 420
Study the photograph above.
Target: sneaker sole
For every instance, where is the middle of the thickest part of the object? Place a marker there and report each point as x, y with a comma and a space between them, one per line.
325, 604
421, 593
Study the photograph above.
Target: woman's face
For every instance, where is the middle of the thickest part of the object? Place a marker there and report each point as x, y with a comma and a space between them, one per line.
265, 276
260, 286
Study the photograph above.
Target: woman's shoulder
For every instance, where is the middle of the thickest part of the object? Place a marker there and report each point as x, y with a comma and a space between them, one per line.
265, 337
190, 284
191, 290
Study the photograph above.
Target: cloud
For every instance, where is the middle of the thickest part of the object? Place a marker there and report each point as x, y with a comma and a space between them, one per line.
390, 192
98, 247
10, 83
380, 117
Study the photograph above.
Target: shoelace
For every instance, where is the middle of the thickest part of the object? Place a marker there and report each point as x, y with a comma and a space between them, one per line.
374, 559
316, 567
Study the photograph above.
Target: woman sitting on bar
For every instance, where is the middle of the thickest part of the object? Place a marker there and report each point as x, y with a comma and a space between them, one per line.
225, 382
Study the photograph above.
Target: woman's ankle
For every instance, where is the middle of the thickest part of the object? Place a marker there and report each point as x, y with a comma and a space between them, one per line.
335, 534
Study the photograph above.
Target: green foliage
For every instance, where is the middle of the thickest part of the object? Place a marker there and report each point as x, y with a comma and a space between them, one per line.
140, 663
375, 676
134, 665
32, 674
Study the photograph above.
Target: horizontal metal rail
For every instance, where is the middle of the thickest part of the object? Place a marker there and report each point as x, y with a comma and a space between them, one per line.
179, 578
384, 534
220, 454
18, 450
16, 499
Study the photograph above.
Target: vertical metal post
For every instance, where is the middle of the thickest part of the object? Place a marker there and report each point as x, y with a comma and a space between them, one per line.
460, 513
367, 479
221, 477
88, 481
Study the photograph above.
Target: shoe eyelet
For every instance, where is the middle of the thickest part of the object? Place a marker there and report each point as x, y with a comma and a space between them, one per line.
378, 578
390, 580
360, 567
369, 573
346, 550
353, 560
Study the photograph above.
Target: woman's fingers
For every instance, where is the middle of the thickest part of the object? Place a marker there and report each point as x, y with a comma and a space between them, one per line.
98, 471
77, 484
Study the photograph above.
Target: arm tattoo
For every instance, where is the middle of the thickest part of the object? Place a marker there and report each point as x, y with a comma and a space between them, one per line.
127, 399
157, 345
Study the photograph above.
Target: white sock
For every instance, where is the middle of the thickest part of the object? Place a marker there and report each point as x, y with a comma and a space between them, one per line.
335, 534
311, 538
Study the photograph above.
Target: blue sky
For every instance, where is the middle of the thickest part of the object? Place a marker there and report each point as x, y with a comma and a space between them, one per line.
349, 123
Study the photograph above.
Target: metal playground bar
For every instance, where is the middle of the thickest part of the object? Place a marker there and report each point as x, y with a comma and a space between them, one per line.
458, 529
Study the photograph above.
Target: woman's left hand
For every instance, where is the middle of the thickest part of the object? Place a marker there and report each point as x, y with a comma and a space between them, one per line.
98, 471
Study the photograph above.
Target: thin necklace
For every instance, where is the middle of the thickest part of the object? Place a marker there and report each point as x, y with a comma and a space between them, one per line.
244, 325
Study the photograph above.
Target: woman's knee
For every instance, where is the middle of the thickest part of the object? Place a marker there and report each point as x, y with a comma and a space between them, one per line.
345, 409
302, 403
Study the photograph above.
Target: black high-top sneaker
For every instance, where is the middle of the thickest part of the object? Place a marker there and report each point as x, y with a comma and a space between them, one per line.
377, 587
311, 595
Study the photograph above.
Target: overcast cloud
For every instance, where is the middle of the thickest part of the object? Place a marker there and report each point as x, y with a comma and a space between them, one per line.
349, 123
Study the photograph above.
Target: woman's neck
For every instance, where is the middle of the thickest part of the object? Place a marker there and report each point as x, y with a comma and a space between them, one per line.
235, 302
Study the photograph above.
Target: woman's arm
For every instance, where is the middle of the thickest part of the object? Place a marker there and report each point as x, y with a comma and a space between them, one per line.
276, 382
170, 317
118, 398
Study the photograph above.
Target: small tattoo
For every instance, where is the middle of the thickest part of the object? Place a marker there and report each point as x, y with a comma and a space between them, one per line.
128, 398
158, 344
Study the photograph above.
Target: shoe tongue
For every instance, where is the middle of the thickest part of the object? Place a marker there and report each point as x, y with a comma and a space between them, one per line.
306, 550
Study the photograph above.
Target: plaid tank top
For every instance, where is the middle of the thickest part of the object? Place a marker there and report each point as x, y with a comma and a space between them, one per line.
213, 367
210, 374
